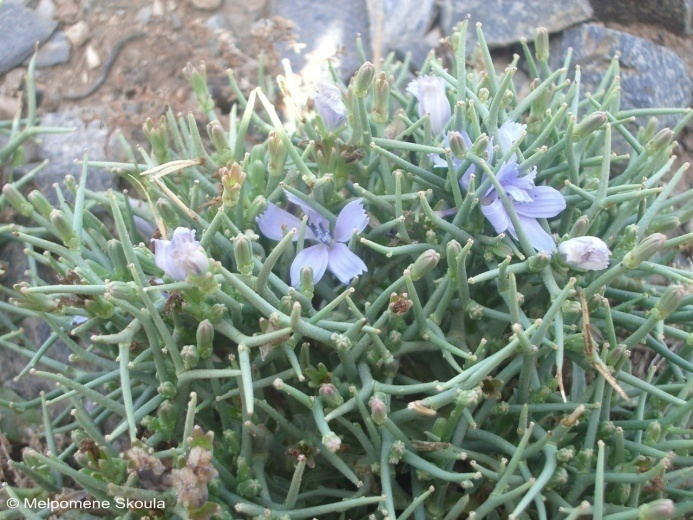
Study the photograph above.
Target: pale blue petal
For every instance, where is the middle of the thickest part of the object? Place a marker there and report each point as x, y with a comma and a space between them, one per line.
509, 133
438, 161
525, 182
314, 217
496, 215
430, 93
545, 202
315, 257
352, 219
517, 194
275, 220
507, 173
540, 239
344, 264
464, 181
165, 259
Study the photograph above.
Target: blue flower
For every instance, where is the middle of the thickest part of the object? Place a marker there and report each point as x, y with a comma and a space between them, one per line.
430, 93
529, 201
330, 252
590, 253
329, 104
180, 256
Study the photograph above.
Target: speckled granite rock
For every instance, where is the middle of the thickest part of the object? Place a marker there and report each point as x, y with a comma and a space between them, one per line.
651, 75
674, 15
20, 29
327, 29
506, 21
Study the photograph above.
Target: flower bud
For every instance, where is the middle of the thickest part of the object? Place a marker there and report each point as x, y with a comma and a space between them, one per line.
381, 99
40, 203
583, 460
190, 356
468, 398
669, 302
277, 154
249, 488
205, 338
378, 405
168, 417
430, 93
589, 125
644, 250
580, 227
661, 509
231, 181
218, 136
330, 106
146, 259
620, 493
559, 477
364, 77
539, 261
589, 253
452, 250
127, 291
484, 95
330, 395
397, 452
168, 212
100, 307
167, 389
232, 441
664, 223
158, 138
424, 264
661, 140
571, 307
653, 432
257, 207
480, 145
332, 442
17, 200
565, 454
457, 145
198, 82
117, 256
341, 342
306, 282
541, 44
243, 251
63, 228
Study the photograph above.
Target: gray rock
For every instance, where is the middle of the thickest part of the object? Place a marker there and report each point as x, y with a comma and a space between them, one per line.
218, 22
63, 149
651, 75
54, 51
327, 29
504, 22
404, 25
674, 15
20, 29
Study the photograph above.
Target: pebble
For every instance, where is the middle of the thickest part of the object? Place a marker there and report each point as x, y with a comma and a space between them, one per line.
55, 51
45, 9
651, 75
504, 22
20, 29
92, 57
78, 33
206, 5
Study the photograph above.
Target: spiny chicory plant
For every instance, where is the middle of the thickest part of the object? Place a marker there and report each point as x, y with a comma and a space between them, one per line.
410, 306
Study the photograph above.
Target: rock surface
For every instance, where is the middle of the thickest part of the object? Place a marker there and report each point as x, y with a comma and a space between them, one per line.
673, 15
328, 29
404, 25
54, 51
504, 22
651, 75
63, 149
20, 29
